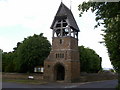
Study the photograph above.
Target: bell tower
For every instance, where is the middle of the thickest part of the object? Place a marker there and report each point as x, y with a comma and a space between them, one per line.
63, 62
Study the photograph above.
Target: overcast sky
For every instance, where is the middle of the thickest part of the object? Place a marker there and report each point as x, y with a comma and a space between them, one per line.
22, 18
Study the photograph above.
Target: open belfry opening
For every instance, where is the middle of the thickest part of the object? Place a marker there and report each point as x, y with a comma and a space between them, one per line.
63, 63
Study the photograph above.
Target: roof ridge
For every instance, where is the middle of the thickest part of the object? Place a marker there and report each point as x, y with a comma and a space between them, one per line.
63, 10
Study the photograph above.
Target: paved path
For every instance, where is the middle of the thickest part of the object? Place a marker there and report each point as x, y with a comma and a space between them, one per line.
99, 84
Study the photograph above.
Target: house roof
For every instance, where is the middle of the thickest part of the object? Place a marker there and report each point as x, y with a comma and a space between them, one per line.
65, 13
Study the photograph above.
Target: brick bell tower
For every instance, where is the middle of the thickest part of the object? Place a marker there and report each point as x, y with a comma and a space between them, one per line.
63, 62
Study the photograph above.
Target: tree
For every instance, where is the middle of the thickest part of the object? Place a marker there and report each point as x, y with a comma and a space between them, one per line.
8, 62
90, 61
15, 48
4, 61
108, 14
32, 52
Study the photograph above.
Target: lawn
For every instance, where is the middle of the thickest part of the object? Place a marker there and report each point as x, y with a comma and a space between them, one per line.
23, 78
25, 81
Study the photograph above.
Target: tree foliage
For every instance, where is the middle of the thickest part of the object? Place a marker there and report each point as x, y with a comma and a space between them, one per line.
108, 14
8, 64
31, 52
90, 61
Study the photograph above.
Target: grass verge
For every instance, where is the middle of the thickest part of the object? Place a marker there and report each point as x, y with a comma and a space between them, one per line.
25, 81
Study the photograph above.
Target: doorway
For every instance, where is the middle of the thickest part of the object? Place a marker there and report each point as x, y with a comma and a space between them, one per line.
60, 72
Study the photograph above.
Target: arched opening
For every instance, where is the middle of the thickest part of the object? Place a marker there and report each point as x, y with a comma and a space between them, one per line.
59, 72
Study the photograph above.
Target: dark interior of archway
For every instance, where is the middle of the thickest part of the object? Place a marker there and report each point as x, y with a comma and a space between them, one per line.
60, 72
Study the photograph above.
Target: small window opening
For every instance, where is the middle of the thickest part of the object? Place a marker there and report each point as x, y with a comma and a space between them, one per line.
56, 55
60, 41
60, 55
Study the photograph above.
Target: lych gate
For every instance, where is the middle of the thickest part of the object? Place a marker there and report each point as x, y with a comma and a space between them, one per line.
63, 62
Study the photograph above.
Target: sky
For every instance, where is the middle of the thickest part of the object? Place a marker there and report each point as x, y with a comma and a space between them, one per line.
22, 18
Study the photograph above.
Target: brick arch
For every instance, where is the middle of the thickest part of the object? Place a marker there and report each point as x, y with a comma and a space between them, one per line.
59, 71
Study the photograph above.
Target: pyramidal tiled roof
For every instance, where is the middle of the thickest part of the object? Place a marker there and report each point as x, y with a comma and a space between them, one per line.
64, 11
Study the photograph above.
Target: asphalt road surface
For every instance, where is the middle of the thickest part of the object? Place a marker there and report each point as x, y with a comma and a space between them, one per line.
98, 84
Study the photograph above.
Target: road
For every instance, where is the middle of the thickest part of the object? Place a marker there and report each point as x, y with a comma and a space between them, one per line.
98, 84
